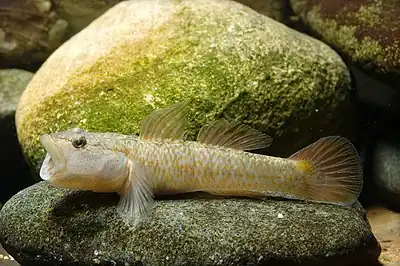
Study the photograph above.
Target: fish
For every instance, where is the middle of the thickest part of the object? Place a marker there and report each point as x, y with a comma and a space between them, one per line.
161, 161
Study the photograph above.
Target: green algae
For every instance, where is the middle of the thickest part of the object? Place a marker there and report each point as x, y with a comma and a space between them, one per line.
278, 91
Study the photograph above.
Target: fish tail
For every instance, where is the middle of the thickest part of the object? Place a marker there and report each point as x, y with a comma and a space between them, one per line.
332, 170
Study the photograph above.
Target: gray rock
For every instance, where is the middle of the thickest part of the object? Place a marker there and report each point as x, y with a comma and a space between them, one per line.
12, 162
44, 224
386, 168
12, 84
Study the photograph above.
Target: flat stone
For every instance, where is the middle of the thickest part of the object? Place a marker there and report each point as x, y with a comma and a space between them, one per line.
44, 224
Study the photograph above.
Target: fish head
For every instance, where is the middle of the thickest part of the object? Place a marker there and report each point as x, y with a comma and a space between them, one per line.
78, 159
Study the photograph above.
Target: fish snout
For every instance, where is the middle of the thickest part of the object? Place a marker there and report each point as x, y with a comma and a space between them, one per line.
52, 148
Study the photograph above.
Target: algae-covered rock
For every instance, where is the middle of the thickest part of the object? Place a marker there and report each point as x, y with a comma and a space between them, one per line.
227, 58
44, 224
366, 32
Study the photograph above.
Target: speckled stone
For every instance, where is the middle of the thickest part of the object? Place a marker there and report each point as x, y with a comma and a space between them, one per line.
230, 60
63, 227
367, 32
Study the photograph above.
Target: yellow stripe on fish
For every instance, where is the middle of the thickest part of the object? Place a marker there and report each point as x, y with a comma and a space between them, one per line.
160, 161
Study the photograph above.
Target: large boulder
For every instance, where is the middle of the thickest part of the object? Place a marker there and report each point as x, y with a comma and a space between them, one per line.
229, 59
52, 226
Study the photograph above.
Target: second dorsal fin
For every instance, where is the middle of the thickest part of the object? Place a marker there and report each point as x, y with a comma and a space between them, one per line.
233, 135
165, 123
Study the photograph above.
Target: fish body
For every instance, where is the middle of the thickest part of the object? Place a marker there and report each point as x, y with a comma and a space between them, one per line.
160, 161
188, 166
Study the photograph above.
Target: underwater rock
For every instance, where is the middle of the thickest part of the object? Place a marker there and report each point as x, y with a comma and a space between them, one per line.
12, 83
29, 31
275, 9
79, 14
45, 224
227, 58
12, 162
365, 32
386, 168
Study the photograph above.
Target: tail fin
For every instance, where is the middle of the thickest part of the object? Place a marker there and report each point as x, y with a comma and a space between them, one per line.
333, 170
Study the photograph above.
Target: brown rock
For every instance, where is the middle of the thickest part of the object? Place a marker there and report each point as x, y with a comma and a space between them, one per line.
29, 31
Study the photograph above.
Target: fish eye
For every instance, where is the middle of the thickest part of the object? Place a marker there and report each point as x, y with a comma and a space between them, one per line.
79, 143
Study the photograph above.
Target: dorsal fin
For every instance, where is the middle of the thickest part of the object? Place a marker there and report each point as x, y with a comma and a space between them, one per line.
165, 123
233, 135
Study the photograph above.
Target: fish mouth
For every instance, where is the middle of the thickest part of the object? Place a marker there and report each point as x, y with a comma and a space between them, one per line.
54, 159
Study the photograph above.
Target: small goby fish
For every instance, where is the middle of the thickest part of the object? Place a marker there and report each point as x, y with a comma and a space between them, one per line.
160, 161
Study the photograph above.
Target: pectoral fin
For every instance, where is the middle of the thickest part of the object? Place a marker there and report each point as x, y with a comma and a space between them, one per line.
137, 196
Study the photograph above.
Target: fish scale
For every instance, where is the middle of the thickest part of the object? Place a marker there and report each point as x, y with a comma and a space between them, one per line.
190, 166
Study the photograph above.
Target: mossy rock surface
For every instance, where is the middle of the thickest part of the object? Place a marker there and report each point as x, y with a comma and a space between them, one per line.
228, 59
364, 31
44, 224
